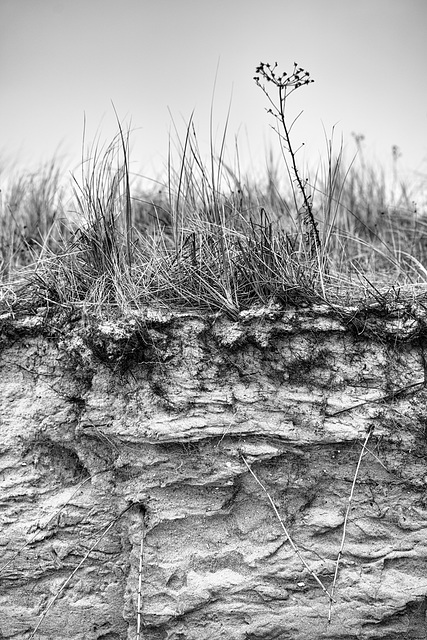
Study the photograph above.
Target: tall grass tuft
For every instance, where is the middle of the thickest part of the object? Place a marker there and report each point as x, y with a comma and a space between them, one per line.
209, 238
32, 217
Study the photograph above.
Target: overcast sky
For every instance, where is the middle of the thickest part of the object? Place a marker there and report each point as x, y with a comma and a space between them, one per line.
63, 60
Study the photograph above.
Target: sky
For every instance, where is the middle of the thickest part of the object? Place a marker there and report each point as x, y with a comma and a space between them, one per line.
65, 63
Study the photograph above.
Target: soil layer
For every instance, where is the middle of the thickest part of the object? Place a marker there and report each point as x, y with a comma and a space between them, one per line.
192, 475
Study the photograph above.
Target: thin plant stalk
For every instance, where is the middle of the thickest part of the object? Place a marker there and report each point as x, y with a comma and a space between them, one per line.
285, 530
73, 573
347, 515
54, 515
286, 84
139, 600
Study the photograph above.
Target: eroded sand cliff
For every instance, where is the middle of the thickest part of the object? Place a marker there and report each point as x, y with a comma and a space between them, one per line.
143, 428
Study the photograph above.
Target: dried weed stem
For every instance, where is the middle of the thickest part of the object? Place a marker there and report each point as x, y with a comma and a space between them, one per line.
347, 514
139, 601
286, 532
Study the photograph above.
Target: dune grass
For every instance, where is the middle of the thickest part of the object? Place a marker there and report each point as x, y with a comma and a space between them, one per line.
209, 238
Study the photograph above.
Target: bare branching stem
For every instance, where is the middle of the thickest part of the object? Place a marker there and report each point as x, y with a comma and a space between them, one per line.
285, 85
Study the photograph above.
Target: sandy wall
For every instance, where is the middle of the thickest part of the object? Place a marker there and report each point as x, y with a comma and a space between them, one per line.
165, 440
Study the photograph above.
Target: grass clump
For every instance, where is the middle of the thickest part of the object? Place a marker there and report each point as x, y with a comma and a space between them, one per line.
32, 218
209, 239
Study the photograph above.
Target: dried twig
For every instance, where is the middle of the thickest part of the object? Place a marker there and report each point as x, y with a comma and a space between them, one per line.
139, 602
54, 515
389, 396
282, 524
72, 574
347, 514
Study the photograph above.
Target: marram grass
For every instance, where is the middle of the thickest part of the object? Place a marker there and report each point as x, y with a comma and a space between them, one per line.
209, 239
